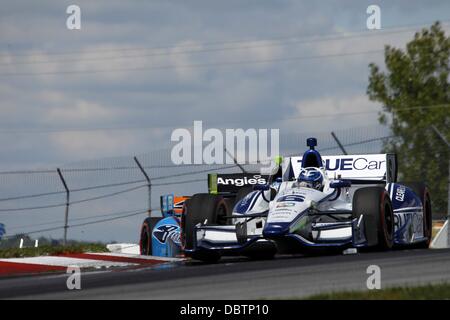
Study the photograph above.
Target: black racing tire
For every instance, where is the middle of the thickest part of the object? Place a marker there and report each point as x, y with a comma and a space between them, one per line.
374, 203
197, 209
145, 242
230, 202
266, 254
421, 190
261, 256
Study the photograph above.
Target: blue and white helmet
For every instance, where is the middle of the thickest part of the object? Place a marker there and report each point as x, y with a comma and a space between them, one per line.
311, 178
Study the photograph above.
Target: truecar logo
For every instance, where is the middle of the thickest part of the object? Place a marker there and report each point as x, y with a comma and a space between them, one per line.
215, 146
360, 163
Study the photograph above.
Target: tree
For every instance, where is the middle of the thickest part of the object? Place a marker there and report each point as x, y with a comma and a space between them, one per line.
414, 91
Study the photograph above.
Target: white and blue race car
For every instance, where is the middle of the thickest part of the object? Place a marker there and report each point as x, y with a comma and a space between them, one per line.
330, 202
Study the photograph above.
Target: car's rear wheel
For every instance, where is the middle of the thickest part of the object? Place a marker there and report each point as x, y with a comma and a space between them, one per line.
145, 242
378, 216
421, 190
230, 202
201, 208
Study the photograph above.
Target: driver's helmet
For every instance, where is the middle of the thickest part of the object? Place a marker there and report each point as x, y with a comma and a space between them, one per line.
311, 178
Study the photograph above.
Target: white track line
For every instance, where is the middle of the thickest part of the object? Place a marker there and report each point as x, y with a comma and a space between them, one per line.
67, 261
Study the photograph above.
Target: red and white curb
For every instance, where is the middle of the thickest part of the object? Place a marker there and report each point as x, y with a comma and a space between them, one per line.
82, 260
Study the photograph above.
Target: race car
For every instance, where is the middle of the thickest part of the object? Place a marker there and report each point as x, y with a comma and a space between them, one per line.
330, 202
161, 236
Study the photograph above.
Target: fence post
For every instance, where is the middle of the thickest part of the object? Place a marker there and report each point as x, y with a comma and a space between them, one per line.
339, 143
234, 160
444, 139
149, 185
66, 216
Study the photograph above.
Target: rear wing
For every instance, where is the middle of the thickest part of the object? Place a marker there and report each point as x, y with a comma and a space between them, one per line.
171, 204
358, 168
230, 183
227, 184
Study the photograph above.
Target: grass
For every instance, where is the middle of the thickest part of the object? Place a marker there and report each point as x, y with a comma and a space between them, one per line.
48, 250
426, 292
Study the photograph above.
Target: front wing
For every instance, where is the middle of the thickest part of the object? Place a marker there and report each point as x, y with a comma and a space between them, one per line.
237, 240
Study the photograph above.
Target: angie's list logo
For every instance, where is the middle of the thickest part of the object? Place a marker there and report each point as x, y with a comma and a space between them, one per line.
213, 146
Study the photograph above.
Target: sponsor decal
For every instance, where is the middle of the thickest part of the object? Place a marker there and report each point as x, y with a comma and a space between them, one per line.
413, 222
360, 163
285, 204
400, 193
242, 181
281, 213
353, 164
164, 232
232, 182
291, 197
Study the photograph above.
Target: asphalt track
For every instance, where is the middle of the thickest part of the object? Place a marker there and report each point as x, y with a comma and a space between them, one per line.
283, 277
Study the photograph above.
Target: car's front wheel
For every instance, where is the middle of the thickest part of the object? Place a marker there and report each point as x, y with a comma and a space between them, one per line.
201, 208
145, 242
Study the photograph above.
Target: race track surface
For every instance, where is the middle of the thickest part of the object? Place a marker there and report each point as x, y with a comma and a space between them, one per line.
283, 277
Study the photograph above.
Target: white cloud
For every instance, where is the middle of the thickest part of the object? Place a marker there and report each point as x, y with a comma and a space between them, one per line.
89, 145
331, 112
79, 112
179, 57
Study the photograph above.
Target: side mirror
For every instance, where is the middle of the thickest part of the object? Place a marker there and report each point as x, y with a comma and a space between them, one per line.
279, 180
340, 184
261, 187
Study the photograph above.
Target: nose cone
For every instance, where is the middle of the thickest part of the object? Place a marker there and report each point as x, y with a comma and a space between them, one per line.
274, 230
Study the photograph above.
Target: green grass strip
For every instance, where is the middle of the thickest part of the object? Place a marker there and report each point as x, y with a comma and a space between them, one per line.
425, 292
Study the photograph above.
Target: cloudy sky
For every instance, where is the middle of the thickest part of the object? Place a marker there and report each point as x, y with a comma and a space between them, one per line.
138, 69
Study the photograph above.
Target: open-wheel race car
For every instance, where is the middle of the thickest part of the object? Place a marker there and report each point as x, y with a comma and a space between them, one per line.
330, 202
313, 202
